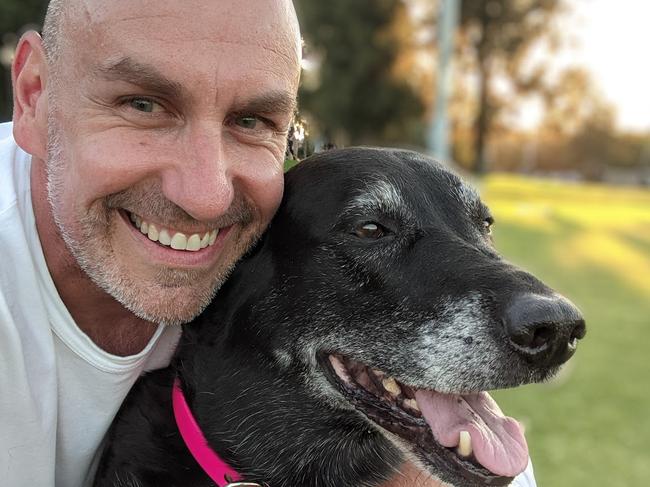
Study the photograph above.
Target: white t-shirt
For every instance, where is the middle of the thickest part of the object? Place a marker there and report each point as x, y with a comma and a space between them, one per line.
58, 391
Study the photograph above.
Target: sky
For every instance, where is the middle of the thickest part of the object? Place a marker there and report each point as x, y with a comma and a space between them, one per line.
612, 39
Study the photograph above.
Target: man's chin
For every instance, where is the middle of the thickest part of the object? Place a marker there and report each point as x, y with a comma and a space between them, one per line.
166, 302
161, 296
152, 291
168, 308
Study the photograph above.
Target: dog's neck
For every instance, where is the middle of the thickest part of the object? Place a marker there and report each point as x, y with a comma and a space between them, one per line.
232, 344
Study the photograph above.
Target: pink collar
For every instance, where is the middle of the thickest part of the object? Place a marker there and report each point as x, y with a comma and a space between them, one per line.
215, 467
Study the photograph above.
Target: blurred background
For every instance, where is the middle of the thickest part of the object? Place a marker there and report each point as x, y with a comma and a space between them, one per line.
545, 105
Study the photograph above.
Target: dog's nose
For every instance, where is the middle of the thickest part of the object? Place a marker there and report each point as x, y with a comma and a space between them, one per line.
544, 329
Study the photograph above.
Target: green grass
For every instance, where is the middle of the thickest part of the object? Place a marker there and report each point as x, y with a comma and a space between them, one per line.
591, 426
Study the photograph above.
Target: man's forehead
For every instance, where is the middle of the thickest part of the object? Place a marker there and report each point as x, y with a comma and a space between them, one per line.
255, 22
202, 42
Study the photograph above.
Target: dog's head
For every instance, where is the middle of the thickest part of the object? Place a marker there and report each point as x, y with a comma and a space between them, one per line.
379, 288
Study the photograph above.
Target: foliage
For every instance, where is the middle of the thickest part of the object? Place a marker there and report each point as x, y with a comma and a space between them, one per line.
592, 243
498, 36
14, 16
594, 150
358, 97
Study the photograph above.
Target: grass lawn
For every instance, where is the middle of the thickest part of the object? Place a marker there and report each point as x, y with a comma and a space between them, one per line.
591, 425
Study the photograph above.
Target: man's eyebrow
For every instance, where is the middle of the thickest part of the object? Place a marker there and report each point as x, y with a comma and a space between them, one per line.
271, 102
146, 76
140, 74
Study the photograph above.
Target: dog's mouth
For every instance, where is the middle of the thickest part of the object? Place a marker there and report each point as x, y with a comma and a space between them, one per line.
464, 438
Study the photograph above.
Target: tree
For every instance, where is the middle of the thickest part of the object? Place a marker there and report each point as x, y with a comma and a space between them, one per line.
579, 113
14, 16
499, 35
359, 96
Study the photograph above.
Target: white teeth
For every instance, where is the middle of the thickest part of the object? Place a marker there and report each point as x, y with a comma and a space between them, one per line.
205, 240
412, 404
464, 448
391, 386
152, 233
213, 236
164, 237
179, 241
194, 243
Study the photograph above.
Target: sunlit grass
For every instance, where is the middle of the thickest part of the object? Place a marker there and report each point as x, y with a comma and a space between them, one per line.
591, 243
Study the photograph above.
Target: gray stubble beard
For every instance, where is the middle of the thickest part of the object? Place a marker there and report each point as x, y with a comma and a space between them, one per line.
96, 258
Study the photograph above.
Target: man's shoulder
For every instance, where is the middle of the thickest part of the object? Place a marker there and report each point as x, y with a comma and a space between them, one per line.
17, 227
6, 129
14, 171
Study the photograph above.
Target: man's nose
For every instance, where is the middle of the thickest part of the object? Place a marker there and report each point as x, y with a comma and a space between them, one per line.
201, 180
544, 329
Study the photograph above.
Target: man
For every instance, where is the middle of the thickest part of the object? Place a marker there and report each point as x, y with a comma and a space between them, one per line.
172, 114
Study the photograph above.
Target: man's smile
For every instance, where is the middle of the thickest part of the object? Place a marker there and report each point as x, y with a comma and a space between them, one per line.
175, 239
171, 246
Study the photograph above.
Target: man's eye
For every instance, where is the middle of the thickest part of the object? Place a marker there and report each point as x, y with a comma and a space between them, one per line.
247, 122
144, 105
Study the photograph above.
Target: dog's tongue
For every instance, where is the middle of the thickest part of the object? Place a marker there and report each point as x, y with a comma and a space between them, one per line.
498, 441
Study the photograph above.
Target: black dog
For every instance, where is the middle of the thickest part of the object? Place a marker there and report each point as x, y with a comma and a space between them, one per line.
360, 331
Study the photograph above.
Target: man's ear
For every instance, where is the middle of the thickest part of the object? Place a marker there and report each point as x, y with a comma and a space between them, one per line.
29, 78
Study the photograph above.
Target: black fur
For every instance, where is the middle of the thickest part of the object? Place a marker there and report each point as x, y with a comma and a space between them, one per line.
313, 284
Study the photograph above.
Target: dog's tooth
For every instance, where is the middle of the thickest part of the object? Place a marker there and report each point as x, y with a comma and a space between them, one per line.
464, 448
412, 404
378, 373
391, 386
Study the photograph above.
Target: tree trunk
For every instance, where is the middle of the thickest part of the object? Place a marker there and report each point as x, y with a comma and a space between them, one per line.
482, 122
482, 125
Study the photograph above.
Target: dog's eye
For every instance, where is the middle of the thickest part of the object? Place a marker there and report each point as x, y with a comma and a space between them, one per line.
487, 225
370, 230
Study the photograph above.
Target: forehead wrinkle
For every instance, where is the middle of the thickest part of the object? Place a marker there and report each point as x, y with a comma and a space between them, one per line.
135, 72
286, 53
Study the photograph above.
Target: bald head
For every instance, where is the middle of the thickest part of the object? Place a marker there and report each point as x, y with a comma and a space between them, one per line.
64, 15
